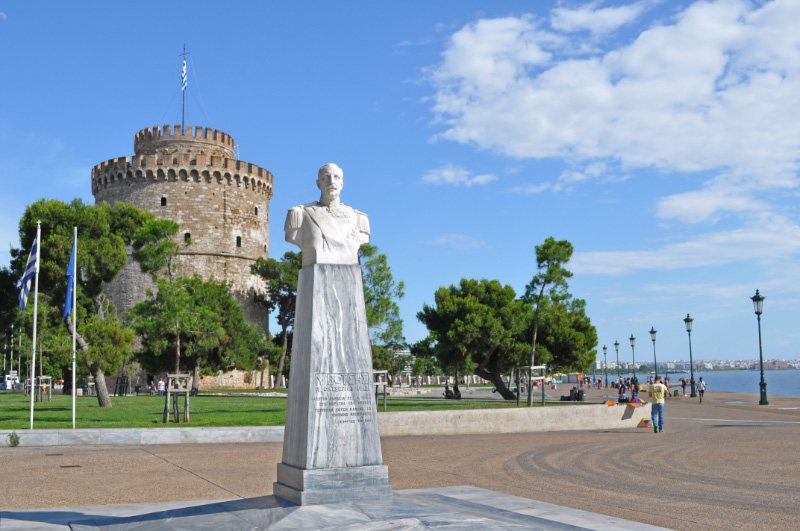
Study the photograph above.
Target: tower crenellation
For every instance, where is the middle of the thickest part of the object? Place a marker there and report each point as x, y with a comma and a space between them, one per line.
221, 204
159, 138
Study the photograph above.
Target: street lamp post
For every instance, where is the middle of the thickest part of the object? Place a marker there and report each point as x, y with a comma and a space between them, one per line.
758, 306
616, 346
688, 322
653, 337
605, 366
633, 353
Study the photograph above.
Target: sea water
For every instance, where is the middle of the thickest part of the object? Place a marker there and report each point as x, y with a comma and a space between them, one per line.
779, 382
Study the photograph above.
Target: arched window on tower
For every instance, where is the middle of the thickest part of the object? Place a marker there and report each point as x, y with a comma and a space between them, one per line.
256, 211
238, 241
186, 237
163, 201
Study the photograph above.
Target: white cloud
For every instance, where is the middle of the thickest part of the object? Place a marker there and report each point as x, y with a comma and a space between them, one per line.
595, 20
531, 189
456, 175
565, 180
700, 205
714, 89
3, 16
461, 242
767, 240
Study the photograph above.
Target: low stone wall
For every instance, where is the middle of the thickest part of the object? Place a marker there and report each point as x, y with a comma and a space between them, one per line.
510, 420
145, 436
390, 424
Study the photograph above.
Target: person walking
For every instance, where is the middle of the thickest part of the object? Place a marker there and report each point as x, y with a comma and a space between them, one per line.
683, 386
659, 392
701, 388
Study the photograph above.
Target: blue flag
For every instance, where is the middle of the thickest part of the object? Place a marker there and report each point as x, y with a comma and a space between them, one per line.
70, 282
31, 268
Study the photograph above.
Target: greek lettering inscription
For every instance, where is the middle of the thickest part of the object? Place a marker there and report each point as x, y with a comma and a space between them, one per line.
345, 398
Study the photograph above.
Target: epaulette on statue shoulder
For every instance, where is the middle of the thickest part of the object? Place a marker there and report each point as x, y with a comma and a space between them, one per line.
362, 220
294, 219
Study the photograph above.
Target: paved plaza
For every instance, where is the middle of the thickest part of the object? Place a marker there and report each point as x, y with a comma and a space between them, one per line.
727, 464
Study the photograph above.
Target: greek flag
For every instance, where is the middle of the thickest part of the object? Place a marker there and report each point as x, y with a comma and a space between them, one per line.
31, 268
70, 281
184, 82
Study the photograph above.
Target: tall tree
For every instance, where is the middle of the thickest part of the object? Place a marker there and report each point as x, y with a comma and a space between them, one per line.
214, 332
103, 232
551, 277
281, 277
479, 324
381, 294
561, 334
155, 249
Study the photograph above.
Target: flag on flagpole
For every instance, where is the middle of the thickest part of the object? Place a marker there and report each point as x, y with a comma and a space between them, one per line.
184, 81
25, 287
31, 268
70, 281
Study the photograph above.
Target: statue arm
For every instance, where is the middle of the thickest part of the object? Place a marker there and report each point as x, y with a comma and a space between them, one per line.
293, 226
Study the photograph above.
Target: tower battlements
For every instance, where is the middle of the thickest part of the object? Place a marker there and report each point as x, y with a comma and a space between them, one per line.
181, 164
153, 139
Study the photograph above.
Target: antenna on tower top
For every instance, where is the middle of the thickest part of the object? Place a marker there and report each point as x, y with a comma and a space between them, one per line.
184, 84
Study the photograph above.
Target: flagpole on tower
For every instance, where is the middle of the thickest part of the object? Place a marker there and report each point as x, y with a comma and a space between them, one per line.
184, 83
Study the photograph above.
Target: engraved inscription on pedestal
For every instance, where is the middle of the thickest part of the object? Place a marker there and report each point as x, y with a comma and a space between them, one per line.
346, 398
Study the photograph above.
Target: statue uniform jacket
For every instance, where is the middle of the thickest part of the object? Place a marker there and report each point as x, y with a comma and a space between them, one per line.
327, 235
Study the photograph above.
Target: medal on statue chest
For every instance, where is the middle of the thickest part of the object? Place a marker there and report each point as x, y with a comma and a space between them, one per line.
344, 218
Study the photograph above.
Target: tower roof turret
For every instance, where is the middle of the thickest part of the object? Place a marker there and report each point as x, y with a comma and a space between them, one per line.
168, 139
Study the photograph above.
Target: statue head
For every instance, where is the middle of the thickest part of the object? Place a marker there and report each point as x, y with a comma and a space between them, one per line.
330, 181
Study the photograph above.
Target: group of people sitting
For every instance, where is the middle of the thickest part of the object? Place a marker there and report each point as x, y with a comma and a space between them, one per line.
454, 394
627, 387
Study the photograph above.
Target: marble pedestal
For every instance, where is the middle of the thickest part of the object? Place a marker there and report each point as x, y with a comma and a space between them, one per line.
331, 446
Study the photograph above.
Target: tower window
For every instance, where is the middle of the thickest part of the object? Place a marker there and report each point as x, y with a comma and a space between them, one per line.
186, 237
238, 241
256, 211
163, 201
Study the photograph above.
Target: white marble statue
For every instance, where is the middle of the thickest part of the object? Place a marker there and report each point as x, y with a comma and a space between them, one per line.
331, 444
327, 231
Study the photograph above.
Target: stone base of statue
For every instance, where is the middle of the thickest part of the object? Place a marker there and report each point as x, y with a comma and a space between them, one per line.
331, 446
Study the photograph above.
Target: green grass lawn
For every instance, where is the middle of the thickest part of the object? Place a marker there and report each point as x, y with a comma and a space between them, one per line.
206, 410
138, 412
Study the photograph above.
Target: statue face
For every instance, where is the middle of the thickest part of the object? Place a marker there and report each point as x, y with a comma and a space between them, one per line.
330, 183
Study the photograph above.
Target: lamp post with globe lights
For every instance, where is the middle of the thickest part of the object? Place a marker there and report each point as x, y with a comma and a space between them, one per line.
633, 353
616, 346
688, 322
758, 306
605, 366
653, 337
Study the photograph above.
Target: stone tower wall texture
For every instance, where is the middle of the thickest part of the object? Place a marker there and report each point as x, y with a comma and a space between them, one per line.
221, 204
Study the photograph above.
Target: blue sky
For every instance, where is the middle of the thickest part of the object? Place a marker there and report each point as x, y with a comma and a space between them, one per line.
660, 138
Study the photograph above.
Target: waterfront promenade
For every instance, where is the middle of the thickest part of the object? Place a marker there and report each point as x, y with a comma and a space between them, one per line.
725, 464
